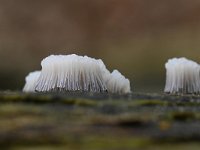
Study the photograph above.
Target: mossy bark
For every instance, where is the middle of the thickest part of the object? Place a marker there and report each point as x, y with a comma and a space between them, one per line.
99, 121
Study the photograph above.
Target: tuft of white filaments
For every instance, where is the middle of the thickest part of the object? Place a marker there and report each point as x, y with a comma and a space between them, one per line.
62, 73
182, 76
117, 83
31, 81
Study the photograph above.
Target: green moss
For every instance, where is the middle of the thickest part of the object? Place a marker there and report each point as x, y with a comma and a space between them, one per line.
70, 121
151, 103
182, 116
80, 102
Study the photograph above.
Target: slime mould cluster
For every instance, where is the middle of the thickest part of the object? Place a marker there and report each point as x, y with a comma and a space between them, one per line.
65, 73
74, 102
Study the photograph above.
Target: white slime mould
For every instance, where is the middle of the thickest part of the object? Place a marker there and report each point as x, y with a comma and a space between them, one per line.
76, 73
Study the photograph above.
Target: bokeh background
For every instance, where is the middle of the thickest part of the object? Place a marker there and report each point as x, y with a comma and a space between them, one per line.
134, 36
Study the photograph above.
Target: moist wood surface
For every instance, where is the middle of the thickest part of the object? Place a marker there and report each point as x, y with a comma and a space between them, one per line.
99, 121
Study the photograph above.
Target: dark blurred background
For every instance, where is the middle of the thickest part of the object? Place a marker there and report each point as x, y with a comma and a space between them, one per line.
134, 36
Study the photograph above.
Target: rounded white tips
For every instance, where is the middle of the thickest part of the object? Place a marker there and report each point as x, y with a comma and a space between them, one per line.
71, 73
117, 83
182, 76
77, 73
31, 81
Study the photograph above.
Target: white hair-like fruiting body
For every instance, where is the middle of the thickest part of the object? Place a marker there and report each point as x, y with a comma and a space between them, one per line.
117, 83
31, 81
61, 73
182, 76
